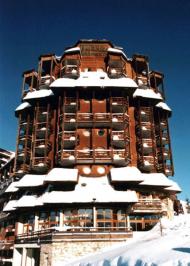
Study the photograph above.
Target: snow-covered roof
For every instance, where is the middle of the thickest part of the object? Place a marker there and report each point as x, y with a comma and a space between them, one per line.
62, 175
127, 174
10, 206
22, 106
12, 187
147, 93
31, 181
90, 190
29, 201
71, 50
117, 51
155, 179
164, 106
173, 187
38, 94
94, 79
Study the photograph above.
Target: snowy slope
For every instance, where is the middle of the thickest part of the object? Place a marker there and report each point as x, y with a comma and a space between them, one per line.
172, 248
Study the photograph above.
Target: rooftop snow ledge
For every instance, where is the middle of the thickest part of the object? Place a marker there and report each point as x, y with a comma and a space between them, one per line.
117, 51
62, 175
31, 181
90, 190
29, 201
12, 187
155, 179
164, 106
147, 93
71, 50
126, 174
10, 206
38, 94
94, 79
174, 187
22, 106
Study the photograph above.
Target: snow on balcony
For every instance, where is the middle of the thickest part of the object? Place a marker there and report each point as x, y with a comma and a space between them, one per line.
31, 181
91, 190
117, 51
10, 206
155, 179
147, 93
94, 79
38, 94
62, 175
12, 188
126, 174
164, 106
22, 106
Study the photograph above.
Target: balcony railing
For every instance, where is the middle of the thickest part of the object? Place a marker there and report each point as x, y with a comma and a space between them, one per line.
94, 156
119, 136
95, 117
149, 205
76, 232
46, 80
21, 169
41, 162
71, 71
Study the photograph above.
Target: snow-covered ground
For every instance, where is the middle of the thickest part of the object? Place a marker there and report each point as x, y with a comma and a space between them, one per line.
172, 248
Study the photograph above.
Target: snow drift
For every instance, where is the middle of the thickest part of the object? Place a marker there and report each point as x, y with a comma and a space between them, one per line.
167, 244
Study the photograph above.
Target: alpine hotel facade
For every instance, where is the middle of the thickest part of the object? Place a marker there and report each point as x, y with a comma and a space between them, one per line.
93, 156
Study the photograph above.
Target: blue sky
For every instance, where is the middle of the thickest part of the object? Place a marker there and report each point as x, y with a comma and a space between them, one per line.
159, 29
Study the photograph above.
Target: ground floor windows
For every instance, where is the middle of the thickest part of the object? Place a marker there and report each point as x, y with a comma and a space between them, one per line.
94, 218
78, 217
143, 222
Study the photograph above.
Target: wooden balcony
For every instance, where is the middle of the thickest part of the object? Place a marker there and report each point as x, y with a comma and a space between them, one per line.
77, 234
147, 163
70, 71
115, 72
116, 120
144, 129
68, 138
119, 104
70, 104
23, 138
148, 206
21, 169
45, 81
41, 164
71, 157
23, 154
120, 138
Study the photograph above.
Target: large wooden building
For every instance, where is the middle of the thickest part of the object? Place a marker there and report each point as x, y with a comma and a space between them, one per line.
93, 155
